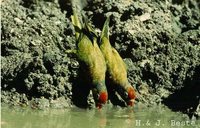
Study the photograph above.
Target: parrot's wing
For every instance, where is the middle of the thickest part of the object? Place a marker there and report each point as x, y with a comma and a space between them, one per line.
85, 49
119, 60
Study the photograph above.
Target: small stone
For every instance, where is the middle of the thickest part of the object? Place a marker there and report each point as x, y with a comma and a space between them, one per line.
19, 21
142, 64
149, 50
58, 22
145, 17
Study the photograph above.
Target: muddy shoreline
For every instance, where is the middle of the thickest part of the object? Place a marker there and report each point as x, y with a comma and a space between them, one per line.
158, 40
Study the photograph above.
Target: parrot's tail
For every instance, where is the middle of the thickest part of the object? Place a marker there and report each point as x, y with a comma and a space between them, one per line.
77, 23
105, 30
89, 30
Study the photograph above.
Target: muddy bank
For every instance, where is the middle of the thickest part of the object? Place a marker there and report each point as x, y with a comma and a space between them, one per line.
159, 41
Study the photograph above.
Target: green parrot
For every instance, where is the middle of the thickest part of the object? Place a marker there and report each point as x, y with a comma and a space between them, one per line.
91, 59
116, 68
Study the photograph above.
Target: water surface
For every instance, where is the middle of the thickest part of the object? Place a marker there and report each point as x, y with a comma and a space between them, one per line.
108, 117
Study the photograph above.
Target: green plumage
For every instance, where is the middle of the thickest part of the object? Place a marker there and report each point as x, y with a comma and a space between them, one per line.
89, 53
90, 56
116, 67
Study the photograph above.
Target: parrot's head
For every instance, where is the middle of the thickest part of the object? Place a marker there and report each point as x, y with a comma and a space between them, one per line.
131, 96
100, 94
103, 96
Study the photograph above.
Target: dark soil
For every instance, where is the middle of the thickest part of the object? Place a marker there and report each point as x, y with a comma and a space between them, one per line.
159, 40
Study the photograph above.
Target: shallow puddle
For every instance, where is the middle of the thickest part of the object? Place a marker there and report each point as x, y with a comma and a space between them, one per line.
108, 117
